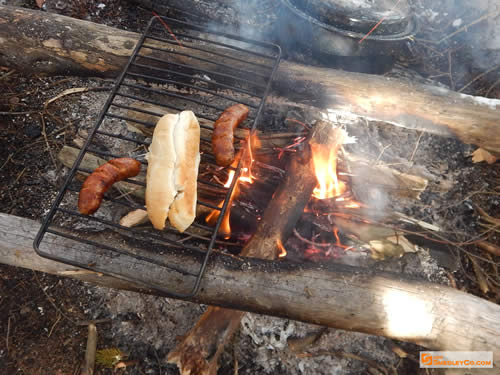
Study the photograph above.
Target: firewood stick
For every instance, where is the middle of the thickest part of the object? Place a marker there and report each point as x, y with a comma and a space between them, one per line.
88, 367
199, 351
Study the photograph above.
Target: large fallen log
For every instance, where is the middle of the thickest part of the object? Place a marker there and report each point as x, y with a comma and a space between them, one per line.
344, 297
36, 42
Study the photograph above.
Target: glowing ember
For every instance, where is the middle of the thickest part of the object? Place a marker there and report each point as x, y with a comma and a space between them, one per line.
310, 251
353, 204
336, 234
325, 167
282, 249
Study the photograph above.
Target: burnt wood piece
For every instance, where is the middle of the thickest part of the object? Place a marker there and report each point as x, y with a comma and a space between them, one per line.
350, 298
37, 42
199, 351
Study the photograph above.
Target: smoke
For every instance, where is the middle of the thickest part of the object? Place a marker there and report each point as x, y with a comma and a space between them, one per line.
466, 32
471, 33
252, 19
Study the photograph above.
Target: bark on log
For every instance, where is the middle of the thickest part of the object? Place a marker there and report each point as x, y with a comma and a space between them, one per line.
344, 297
37, 42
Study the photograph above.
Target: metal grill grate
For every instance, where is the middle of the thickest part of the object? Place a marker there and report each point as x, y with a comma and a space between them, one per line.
175, 66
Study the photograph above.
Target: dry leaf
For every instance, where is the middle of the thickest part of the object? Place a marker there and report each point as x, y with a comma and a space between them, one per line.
407, 246
109, 357
391, 247
399, 352
300, 344
482, 155
382, 249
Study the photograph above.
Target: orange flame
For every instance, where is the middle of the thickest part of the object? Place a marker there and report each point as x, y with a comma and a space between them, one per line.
230, 178
252, 143
281, 248
225, 226
246, 176
325, 167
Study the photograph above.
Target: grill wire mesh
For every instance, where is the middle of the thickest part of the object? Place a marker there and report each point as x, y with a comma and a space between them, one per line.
175, 66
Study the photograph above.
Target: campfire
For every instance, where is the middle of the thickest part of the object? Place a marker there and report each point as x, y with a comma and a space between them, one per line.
332, 197
297, 197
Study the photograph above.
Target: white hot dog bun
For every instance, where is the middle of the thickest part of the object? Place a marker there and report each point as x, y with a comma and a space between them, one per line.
173, 161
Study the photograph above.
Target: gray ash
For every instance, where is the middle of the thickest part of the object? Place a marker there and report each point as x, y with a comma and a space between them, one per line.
85, 9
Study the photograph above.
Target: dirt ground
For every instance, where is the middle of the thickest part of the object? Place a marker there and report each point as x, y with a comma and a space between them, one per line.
42, 316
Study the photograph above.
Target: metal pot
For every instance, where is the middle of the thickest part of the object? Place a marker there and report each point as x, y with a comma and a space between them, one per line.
332, 28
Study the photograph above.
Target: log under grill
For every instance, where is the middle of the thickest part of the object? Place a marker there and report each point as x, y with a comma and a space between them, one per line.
159, 79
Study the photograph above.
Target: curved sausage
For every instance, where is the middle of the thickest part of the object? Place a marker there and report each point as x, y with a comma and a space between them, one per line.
222, 137
100, 181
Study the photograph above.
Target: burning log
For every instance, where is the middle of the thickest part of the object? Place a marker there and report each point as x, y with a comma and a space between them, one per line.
195, 354
83, 48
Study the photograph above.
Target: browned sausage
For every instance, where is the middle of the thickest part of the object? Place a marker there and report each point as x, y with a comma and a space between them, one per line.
222, 137
100, 181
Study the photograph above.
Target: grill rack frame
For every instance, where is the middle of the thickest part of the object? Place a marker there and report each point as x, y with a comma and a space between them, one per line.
119, 83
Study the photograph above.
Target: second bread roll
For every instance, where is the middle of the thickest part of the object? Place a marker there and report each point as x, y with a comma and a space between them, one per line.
187, 149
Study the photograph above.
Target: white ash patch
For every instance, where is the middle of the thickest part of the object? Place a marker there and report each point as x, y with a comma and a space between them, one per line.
269, 337
430, 267
139, 319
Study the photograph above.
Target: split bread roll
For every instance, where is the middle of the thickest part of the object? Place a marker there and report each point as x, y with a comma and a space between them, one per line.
173, 161
187, 148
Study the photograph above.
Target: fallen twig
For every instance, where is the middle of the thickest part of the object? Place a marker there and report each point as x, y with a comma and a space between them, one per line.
488, 218
44, 133
479, 77
50, 299
74, 90
54, 325
416, 145
492, 87
480, 276
88, 367
489, 247
464, 28
18, 113
7, 335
